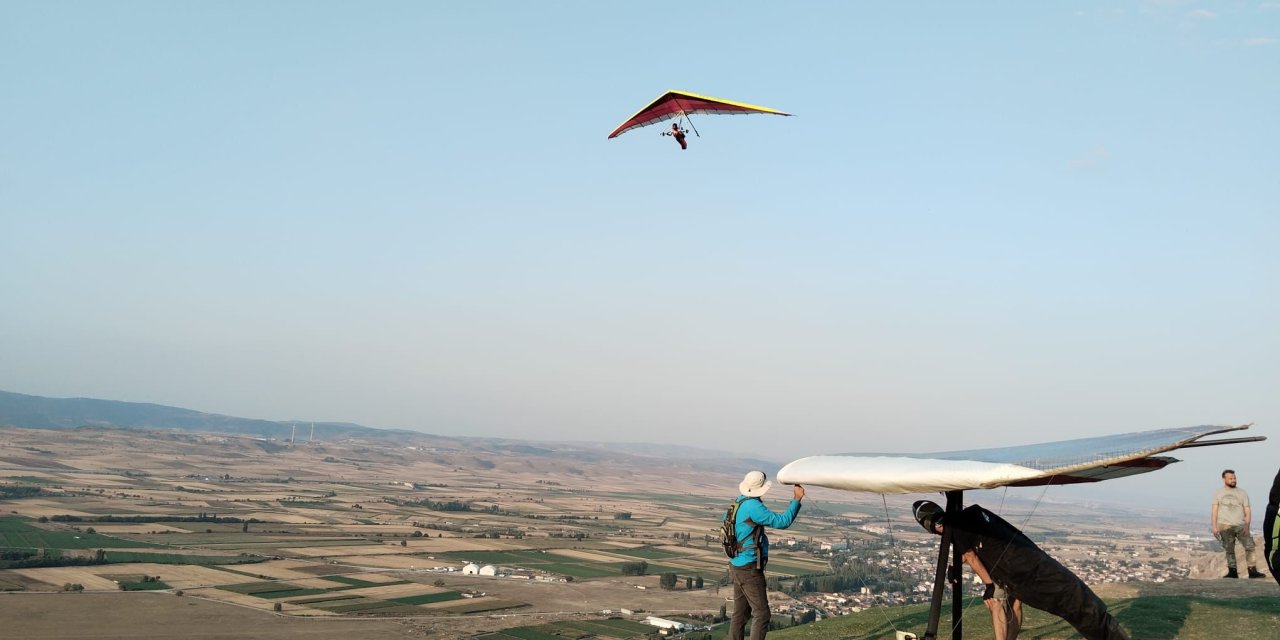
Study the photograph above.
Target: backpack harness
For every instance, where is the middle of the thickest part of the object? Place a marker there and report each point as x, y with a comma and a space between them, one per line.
729, 534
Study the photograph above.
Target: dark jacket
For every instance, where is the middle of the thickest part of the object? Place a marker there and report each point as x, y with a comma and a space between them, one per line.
1271, 530
1030, 574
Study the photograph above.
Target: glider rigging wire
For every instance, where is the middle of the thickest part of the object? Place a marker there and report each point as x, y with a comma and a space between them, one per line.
971, 601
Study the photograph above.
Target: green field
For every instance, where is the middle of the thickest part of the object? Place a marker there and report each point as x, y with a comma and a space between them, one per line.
480, 605
238, 572
16, 532
508, 558
534, 633
334, 598
288, 593
609, 628
331, 601
618, 624
355, 583
258, 588
795, 570
177, 558
428, 598
648, 553
236, 539
577, 570
144, 586
553, 563
277, 544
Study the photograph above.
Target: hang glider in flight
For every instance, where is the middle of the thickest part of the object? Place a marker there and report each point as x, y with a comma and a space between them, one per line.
681, 104
953, 472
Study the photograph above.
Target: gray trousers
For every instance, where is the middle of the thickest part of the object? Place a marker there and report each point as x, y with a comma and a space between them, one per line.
1228, 536
750, 599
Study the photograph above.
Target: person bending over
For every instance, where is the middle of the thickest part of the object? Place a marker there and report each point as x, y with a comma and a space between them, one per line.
1005, 558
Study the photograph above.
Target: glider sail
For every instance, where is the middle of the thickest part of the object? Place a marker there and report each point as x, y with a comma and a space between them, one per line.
674, 104
1065, 462
1068, 461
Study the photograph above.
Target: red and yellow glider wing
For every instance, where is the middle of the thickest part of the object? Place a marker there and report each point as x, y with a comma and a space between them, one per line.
674, 104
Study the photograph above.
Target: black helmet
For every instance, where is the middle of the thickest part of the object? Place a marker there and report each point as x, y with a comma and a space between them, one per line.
927, 514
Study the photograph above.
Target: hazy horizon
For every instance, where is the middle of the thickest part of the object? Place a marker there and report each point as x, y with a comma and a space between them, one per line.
1117, 493
985, 226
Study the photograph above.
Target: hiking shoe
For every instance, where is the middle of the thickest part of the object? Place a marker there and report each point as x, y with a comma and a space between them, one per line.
1254, 573
1231, 573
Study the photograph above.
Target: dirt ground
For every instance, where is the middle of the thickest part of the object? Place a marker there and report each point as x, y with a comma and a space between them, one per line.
133, 616
1209, 588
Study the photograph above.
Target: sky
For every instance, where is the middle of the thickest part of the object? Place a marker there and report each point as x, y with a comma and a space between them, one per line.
986, 225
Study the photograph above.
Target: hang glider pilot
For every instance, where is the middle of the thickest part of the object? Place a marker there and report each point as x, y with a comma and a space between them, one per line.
1003, 556
677, 133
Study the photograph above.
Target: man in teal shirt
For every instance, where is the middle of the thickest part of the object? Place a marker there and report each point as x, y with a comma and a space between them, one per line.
750, 597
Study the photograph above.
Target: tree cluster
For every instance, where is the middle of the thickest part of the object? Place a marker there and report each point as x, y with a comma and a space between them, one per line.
634, 568
9, 492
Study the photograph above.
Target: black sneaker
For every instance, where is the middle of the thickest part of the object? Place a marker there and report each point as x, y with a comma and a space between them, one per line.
1231, 573
1254, 573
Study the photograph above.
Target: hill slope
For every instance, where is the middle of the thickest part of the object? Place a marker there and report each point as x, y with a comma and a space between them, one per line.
1187, 610
35, 412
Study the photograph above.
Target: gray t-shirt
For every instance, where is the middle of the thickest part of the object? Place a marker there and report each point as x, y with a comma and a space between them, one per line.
1231, 504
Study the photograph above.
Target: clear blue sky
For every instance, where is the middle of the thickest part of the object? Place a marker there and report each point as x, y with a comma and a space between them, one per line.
989, 224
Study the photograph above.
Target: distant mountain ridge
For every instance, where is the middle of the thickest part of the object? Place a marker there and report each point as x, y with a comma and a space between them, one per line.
36, 412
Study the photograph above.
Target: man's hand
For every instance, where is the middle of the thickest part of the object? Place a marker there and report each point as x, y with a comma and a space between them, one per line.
989, 592
798, 492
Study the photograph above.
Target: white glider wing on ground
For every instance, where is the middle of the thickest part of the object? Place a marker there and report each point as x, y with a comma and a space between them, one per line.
954, 472
1064, 462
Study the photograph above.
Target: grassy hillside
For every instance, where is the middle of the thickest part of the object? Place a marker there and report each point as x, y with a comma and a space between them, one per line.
1193, 610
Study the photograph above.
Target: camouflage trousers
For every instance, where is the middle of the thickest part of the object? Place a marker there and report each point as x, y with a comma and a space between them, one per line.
1229, 536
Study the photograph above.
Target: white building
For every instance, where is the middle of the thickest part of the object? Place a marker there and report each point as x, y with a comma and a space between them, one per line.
488, 570
471, 569
663, 623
